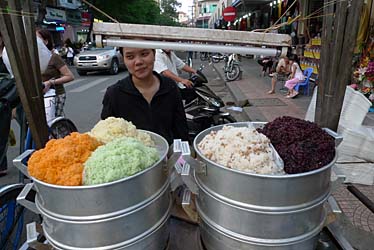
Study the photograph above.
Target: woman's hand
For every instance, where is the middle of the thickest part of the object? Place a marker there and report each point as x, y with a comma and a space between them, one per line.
47, 86
187, 83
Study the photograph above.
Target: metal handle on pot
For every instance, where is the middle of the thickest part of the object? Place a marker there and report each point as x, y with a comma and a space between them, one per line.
32, 237
21, 199
188, 178
198, 166
335, 208
18, 162
189, 206
174, 154
341, 177
338, 138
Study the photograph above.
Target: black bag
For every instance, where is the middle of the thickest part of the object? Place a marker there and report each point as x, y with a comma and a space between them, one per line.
8, 90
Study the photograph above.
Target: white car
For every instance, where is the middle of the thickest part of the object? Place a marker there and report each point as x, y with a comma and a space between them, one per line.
99, 59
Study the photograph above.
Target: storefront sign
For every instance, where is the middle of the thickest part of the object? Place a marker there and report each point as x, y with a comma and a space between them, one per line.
73, 17
229, 14
55, 15
86, 19
70, 4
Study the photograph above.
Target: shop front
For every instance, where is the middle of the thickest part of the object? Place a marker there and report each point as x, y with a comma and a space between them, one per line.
55, 22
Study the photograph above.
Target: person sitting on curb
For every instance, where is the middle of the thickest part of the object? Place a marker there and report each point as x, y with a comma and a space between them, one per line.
281, 71
267, 64
295, 77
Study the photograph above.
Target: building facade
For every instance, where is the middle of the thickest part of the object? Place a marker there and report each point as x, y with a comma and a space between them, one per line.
203, 12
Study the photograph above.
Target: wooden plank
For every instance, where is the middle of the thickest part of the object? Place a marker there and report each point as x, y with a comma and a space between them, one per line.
345, 63
153, 32
337, 67
33, 50
12, 28
325, 57
334, 60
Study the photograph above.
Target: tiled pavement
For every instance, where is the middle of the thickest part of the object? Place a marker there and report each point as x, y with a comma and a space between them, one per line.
358, 213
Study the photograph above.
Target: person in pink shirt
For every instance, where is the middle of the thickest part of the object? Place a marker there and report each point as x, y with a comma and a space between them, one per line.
295, 77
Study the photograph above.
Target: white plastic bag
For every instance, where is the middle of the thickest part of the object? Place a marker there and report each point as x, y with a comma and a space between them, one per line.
44, 57
49, 105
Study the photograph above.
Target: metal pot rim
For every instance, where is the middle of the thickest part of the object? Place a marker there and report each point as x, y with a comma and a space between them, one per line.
162, 158
265, 176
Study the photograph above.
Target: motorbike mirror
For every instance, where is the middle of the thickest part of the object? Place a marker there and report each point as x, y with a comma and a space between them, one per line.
201, 76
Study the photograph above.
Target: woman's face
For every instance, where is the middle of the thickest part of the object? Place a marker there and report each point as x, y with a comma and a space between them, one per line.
139, 62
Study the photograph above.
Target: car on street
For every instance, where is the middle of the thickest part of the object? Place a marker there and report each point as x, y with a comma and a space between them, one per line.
108, 59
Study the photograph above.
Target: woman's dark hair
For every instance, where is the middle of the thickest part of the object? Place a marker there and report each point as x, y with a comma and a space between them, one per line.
295, 58
46, 35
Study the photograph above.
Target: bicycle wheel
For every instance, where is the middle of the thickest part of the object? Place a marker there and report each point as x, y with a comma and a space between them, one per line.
61, 127
11, 217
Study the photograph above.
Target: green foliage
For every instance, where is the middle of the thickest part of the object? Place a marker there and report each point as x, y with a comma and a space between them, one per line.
135, 11
169, 7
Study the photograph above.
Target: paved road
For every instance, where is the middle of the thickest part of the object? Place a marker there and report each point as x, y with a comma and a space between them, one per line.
83, 107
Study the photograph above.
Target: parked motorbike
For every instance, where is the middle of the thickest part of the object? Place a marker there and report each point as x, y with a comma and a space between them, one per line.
204, 56
232, 69
203, 106
216, 58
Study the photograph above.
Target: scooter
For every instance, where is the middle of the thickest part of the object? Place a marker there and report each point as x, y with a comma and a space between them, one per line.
216, 58
203, 106
232, 69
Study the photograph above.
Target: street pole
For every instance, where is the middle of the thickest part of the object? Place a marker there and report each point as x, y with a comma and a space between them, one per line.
338, 42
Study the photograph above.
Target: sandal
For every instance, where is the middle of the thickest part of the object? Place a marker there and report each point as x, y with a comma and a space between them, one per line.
271, 92
294, 95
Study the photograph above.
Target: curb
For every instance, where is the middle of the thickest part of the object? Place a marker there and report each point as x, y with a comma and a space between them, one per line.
249, 113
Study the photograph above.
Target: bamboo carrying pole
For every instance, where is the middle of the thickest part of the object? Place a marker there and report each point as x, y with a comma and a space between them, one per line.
338, 42
18, 33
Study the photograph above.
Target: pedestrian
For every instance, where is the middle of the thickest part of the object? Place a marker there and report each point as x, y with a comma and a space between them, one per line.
281, 71
5, 118
69, 54
56, 74
167, 63
147, 99
295, 77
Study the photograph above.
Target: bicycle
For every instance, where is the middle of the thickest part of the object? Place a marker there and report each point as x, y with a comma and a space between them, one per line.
12, 215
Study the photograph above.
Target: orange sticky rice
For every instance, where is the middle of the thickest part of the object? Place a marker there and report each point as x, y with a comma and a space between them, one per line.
61, 161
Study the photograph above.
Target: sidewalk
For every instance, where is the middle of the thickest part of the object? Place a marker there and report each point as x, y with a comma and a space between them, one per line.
254, 88
357, 220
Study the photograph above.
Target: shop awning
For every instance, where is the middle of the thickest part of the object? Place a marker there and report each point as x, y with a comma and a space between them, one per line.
249, 3
236, 3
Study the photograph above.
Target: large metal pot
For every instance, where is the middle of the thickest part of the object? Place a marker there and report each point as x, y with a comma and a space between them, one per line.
117, 215
242, 210
112, 233
103, 200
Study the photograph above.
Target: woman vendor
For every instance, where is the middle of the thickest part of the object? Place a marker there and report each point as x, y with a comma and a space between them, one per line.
147, 99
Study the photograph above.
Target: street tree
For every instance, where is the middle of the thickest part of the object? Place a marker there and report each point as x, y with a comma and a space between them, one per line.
169, 7
135, 11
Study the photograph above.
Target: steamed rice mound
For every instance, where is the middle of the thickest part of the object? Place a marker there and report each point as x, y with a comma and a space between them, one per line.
118, 159
61, 161
241, 148
112, 128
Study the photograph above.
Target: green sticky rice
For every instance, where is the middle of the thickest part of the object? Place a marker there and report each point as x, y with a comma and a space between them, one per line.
118, 159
